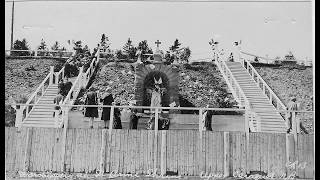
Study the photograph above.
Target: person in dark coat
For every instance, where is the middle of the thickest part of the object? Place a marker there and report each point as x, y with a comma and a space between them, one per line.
106, 99
61, 87
208, 119
133, 124
117, 118
67, 87
91, 112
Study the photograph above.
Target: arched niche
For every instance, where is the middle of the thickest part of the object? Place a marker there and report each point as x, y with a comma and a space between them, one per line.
144, 78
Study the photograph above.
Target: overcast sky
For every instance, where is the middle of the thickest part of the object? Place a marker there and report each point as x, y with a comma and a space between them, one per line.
265, 28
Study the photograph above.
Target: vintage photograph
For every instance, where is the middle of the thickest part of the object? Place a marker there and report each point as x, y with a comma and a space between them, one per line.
150, 89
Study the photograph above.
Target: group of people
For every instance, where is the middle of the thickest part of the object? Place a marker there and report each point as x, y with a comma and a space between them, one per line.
106, 99
64, 87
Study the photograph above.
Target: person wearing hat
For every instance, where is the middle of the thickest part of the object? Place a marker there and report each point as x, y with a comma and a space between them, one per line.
293, 106
106, 99
91, 99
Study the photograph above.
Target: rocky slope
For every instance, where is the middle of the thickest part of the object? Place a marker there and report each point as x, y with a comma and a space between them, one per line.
22, 77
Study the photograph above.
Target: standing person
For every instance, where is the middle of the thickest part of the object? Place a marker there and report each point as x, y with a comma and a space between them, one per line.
133, 124
117, 118
293, 106
61, 86
57, 100
107, 99
91, 99
207, 119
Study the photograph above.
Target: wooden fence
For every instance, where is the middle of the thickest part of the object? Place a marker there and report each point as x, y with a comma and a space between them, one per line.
182, 152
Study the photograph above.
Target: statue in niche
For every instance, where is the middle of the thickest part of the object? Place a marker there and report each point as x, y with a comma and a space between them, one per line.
157, 93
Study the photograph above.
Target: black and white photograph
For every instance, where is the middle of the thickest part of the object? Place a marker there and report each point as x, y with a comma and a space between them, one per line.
150, 89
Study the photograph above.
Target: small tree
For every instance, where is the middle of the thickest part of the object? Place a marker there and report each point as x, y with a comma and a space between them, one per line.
20, 45
144, 48
55, 46
130, 50
175, 46
256, 59
43, 47
185, 54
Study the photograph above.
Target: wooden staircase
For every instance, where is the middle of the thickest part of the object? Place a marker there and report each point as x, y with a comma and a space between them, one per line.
42, 116
42, 113
270, 120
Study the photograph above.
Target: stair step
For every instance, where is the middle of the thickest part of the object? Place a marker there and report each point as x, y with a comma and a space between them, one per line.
34, 112
35, 119
279, 129
40, 125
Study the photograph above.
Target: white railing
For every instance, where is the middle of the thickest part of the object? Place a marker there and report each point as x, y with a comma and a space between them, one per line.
34, 98
89, 72
253, 121
259, 80
41, 53
80, 82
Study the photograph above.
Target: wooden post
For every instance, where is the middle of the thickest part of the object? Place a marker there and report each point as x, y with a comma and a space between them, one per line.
66, 117
27, 152
51, 75
80, 83
226, 152
156, 120
57, 78
19, 116
246, 118
42, 90
200, 120
294, 126
111, 121
163, 153
12, 22
297, 123
103, 151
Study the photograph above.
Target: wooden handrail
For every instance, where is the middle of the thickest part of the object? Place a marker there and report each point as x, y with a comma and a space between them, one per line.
40, 86
264, 84
247, 104
236, 83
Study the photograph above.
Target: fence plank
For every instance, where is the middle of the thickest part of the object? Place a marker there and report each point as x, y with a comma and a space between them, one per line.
134, 151
28, 150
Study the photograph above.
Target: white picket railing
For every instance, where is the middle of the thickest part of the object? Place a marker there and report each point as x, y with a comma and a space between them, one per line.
34, 98
80, 82
252, 120
263, 85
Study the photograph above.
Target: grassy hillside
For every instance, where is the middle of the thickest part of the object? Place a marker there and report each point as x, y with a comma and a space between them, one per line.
286, 82
22, 77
